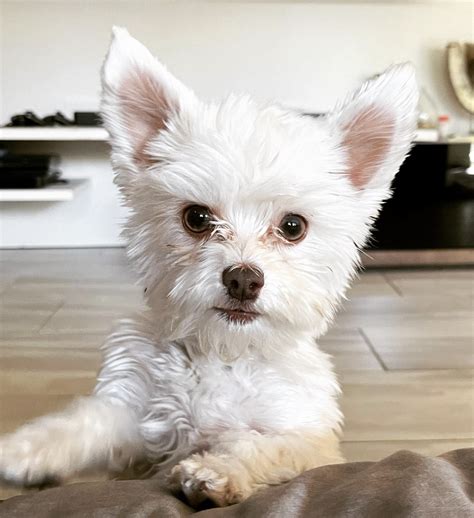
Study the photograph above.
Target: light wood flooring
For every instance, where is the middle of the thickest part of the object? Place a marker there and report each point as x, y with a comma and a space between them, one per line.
403, 346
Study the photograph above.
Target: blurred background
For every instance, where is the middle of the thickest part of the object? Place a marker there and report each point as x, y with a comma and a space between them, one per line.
306, 55
403, 342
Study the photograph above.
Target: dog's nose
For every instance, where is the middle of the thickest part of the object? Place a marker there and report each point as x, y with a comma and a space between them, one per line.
243, 282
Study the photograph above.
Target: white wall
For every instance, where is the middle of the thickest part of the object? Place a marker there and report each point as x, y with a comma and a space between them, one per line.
303, 54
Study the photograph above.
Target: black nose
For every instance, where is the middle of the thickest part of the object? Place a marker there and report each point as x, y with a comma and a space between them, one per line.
243, 282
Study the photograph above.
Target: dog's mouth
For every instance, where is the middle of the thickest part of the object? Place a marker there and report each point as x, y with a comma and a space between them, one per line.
238, 316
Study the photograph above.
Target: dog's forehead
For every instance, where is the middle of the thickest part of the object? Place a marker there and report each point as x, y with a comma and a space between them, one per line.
238, 151
240, 127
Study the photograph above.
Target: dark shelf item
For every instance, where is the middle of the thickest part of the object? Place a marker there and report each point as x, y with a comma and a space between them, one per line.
433, 202
28, 171
30, 119
87, 119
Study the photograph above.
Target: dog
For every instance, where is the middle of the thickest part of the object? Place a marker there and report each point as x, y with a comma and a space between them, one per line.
246, 222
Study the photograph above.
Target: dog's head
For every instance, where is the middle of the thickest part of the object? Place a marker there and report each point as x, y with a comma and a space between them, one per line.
246, 219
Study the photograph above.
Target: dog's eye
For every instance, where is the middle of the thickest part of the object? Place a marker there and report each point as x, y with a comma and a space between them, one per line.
197, 219
293, 227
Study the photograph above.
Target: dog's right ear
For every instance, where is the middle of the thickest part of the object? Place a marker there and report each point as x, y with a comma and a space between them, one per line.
139, 96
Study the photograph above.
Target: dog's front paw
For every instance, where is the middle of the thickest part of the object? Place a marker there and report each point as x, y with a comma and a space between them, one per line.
210, 477
27, 461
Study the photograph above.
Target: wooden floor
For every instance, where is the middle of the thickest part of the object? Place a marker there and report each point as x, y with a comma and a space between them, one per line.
403, 346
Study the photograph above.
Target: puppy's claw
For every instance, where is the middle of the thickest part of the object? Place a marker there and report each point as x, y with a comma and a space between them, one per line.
199, 483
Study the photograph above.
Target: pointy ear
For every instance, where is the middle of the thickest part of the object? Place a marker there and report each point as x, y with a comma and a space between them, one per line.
139, 96
376, 126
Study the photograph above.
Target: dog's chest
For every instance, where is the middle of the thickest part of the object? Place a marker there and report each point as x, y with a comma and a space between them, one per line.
193, 401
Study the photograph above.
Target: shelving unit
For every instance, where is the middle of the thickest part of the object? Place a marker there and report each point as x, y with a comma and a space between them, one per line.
84, 212
55, 192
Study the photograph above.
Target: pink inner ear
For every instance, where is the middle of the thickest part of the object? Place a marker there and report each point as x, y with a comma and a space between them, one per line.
367, 140
145, 109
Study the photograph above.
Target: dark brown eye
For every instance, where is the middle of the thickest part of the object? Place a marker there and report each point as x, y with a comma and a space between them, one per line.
293, 227
197, 219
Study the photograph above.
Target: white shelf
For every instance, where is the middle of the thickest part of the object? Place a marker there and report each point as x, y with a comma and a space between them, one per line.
54, 134
55, 192
468, 139
93, 134
426, 135
430, 136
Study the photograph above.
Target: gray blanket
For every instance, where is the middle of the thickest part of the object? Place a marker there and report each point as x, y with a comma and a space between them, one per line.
403, 485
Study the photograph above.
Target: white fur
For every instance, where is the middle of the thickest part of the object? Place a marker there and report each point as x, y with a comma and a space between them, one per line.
229, 407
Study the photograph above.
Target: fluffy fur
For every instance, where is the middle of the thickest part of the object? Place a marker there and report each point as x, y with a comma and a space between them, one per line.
225, 408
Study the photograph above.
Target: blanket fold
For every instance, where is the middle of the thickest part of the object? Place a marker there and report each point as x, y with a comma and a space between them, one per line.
404, 484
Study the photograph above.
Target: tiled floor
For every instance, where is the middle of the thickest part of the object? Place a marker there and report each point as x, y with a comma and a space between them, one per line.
403, 346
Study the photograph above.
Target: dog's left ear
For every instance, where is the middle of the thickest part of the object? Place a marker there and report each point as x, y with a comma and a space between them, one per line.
376, 126
139, 97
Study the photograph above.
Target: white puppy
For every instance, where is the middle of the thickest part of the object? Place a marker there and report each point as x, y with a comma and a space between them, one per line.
246, 224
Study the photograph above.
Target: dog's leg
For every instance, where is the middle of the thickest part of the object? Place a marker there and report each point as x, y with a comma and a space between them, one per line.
241, 463
93, 433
